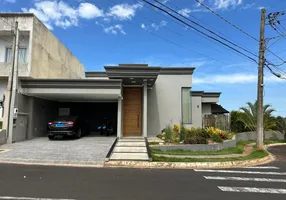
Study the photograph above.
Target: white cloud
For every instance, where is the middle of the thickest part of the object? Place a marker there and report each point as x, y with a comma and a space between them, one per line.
118, 28
10, 1
247, 6
185, 12
123, 11
89, 11
61, 14
225, 4
154, 26
238, 78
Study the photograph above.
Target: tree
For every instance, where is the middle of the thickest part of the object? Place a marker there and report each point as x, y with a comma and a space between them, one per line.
281, 125
236, 125
250, 116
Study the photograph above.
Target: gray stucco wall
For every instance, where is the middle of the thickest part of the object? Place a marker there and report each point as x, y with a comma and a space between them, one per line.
207, 108
50, 58
39, 111
245, 136
197, 111
2, 137
164, 102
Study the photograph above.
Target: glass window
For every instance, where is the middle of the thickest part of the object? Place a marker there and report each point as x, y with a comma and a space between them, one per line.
186, 106
21, 55
8, 55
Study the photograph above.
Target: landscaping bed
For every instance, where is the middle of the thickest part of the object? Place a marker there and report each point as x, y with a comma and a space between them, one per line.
256, 154
239, 149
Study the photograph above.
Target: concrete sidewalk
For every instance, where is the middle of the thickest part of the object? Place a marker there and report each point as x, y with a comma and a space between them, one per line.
84, 151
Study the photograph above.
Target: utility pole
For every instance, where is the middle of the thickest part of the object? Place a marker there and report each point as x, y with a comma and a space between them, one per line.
260, 85
12, 86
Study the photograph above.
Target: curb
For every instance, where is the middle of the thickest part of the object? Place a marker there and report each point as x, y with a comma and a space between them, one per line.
53, 164
190, 165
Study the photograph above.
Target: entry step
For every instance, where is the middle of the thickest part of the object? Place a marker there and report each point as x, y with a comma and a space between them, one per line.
128, 149
129, 156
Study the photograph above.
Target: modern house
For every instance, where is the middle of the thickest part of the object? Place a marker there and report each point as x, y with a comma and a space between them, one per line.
138, 99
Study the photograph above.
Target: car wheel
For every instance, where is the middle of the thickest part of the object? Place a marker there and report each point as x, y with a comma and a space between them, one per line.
51, 137
78, 133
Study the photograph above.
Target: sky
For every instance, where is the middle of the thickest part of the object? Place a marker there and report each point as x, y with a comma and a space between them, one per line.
109, 32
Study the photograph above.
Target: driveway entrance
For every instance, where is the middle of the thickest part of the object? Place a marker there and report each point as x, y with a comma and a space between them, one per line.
85, 151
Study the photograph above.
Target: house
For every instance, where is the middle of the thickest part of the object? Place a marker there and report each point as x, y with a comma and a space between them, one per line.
138, 99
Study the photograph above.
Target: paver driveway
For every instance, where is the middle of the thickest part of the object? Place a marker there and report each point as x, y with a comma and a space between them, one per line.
84, 151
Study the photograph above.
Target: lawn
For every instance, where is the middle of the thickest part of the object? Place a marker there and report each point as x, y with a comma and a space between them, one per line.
256, 154
233, 150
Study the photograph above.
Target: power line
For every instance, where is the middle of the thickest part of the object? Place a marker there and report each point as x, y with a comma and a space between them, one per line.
206, 28
200, 31
172, 42
227, 21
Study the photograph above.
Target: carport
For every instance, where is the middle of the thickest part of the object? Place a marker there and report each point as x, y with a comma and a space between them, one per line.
88, 98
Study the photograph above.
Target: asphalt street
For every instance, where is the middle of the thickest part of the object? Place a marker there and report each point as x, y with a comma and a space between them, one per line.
47, 183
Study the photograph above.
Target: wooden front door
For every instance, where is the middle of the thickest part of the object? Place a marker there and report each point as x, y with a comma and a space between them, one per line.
132, 112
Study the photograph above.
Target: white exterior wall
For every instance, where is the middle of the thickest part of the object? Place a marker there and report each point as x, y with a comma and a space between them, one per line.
164, 102
197, 111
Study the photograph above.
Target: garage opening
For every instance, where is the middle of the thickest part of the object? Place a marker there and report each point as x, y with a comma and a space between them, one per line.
91, 113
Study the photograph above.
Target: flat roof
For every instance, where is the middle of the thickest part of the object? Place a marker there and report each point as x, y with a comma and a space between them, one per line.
16, 14
205, 94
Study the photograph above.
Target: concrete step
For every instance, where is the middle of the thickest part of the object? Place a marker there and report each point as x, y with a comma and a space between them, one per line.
131, 140
130, 150
130, 144
129, 156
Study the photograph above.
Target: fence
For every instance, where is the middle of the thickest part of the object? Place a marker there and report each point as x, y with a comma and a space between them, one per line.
220, 121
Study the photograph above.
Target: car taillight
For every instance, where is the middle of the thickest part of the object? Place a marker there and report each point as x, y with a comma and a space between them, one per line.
70, 123
50, 123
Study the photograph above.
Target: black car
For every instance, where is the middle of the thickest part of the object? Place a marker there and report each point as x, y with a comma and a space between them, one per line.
66, 126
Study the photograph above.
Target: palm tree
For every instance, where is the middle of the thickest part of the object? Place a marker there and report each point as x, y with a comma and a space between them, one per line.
281, 124
250, 117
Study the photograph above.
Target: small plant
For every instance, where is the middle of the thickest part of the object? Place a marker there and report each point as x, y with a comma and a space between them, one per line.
217, 138
168, 133
182, 132
176, 128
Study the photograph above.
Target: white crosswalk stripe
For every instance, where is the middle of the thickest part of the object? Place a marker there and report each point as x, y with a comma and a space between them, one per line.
240, 172
253, 190
257, 177
261, 167
227, 178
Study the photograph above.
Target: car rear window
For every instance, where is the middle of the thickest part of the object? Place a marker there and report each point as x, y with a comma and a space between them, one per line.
65, 118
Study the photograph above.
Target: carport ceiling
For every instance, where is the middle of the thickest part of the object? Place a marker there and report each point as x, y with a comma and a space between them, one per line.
73, 90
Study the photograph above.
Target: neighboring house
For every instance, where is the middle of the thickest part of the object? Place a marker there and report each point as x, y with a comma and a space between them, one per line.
41, 54
138, 99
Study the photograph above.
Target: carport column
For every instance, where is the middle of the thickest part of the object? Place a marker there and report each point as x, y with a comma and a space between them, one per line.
145, 109
119, 117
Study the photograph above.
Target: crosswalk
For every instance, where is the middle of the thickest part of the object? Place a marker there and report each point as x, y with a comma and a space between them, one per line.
258, 179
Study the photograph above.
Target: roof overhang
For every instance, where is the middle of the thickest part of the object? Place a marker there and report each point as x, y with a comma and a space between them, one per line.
133, 75
218, 109
73, 90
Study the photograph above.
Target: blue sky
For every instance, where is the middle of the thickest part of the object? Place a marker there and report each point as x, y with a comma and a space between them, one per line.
109, 32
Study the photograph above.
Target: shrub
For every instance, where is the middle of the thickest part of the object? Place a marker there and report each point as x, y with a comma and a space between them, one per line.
1, 124
217, 138
182, 132
196, 140
176, 128
168, 133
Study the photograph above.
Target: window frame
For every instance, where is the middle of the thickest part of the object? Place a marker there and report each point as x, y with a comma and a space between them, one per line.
182, 106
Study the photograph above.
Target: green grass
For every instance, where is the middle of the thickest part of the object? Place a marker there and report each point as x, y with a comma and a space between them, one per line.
256, 154
153, 143
233, 150
266, 142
